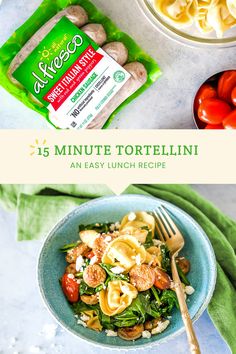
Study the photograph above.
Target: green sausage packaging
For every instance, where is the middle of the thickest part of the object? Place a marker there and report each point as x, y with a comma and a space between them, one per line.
74, 66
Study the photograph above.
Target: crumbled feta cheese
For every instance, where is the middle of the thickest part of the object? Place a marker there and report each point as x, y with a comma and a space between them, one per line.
157, 242
104, 287
111, 333
34, 349
117, 270
189, 290
71, 276
49, 330
125, 289
82, 323
131, 216
112, 227
79, 263
93, 260
146, 334
138, 259
108, 239
160, 327
117, 225
84, 318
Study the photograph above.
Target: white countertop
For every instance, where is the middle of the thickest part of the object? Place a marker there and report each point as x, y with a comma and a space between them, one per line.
23, 315
167, 104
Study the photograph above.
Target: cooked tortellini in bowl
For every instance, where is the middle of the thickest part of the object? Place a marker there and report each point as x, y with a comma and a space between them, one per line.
138, 224
124, 252
117, 297
208, 15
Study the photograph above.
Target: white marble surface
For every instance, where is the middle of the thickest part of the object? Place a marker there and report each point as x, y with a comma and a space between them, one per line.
23, 314
167, 104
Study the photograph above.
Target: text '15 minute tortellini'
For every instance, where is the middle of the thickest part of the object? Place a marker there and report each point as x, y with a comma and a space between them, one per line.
117, 297
124, 251
138, 225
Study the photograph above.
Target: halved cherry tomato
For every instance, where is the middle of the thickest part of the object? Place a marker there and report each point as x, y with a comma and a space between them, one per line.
233, 96
226, 84
213, 110
214, 126
70, 288
90, 255
230, 121
162, 279
206, 91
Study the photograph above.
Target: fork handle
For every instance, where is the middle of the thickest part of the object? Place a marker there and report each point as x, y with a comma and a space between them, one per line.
192, 339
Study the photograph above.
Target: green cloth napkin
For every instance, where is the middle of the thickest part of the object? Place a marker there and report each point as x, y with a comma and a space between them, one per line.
40, 207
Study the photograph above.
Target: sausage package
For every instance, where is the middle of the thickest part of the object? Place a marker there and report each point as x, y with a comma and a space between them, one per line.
74, 66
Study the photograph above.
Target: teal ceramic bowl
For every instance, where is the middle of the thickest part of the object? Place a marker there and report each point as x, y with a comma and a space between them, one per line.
51, 265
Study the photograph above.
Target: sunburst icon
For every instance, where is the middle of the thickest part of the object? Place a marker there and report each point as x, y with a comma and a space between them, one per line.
45, 53
36, 147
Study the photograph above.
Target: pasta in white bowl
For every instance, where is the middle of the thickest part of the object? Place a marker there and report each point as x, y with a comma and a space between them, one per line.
208, 15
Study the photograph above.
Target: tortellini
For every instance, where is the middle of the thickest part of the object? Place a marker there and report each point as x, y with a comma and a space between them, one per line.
180, 12
231, 4
93, 320
219, 17
153, 256
209, 15
117, 297
124, 251
138, 225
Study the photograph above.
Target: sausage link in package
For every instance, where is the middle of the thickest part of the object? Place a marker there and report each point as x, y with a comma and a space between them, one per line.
74, 66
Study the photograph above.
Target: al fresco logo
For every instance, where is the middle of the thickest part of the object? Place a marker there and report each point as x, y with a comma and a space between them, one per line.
49, 71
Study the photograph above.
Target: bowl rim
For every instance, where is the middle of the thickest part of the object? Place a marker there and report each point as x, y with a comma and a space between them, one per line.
95, 201
175, 35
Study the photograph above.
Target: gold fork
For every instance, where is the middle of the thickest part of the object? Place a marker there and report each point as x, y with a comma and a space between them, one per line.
170, 234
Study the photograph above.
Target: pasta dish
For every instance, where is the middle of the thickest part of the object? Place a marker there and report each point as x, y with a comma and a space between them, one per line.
118, 278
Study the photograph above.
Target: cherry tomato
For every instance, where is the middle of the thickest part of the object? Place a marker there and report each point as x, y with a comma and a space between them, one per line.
233, 96
70, 288
230, 121
213, 110
90, 255
206, 91
162, 279
214, 126
226, 84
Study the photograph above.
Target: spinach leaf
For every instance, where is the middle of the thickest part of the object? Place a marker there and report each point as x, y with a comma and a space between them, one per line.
84, 289
69, 247
165, 253
168, 302
112, 276
149, 240
80, 307
100, 228
182, 276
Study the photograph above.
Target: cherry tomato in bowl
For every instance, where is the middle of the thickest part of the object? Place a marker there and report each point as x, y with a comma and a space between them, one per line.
230, 120
233, 96
213, 110
215, 100
70, 288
